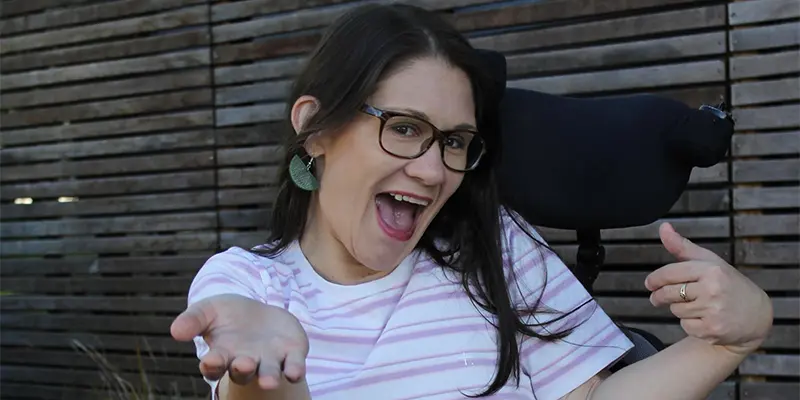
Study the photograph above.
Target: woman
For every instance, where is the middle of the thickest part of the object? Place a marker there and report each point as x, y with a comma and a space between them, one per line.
392, 271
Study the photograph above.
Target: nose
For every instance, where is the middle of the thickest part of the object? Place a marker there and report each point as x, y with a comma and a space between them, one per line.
429, 167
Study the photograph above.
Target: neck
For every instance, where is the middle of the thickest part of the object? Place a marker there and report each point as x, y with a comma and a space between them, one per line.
328, 255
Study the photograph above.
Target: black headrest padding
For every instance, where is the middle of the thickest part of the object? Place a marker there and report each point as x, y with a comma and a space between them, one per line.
601, 163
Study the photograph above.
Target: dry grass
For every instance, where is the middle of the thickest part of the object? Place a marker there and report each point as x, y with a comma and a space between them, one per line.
118, 385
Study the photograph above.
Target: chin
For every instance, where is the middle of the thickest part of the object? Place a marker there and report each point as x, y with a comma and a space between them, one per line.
384, 257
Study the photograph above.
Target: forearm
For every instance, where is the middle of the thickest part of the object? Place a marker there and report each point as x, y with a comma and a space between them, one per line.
687, 370
286, 391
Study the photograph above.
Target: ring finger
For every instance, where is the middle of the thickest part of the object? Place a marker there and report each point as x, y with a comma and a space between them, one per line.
670, 294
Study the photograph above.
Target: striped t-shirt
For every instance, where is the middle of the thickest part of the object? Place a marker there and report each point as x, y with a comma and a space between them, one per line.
414, 334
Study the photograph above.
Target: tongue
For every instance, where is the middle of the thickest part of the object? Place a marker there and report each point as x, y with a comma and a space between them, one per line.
397, 214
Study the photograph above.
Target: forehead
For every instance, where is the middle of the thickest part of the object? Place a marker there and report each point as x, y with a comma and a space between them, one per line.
431, 86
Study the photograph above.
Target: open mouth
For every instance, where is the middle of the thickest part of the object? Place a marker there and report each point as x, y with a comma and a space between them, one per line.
398, 213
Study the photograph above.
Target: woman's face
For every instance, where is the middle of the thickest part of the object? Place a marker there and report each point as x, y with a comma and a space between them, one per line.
372, 204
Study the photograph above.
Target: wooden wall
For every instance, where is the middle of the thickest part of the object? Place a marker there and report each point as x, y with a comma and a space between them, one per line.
143, 135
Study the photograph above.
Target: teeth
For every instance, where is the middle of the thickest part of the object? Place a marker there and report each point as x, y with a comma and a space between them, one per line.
407, 199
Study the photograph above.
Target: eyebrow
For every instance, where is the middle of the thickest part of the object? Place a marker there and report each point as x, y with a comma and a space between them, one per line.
422, 115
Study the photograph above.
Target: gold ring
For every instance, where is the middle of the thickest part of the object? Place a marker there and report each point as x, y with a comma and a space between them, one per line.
682, 292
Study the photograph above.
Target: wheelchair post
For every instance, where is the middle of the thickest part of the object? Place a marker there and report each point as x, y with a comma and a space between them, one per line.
591, 255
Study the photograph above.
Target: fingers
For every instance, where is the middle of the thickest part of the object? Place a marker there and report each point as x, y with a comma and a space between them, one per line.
242, 370
670, 294
683, 249
675, 273
294, 366
214, 364
269, 372
190, 323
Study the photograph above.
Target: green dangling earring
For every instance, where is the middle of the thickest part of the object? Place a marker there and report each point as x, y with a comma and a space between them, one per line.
301, 174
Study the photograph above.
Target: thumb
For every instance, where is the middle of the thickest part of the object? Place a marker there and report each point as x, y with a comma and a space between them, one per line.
682, 248
195, 321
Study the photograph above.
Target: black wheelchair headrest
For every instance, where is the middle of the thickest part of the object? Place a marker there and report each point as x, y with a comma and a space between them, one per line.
601, 163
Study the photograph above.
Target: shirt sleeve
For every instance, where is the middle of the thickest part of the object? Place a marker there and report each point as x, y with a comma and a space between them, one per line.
558, 367
234, 271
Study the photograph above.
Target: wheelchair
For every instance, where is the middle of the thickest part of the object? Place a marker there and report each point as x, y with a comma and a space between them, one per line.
588, 164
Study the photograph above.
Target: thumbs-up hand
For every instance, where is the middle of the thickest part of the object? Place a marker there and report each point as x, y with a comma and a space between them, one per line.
713, 300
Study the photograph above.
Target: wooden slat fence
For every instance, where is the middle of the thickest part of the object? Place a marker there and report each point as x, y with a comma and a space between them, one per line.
139, 137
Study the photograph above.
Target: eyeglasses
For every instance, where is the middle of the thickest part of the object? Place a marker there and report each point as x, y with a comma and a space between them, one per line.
409, 137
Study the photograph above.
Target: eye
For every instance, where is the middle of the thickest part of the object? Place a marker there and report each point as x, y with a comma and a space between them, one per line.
406, 129
455, 141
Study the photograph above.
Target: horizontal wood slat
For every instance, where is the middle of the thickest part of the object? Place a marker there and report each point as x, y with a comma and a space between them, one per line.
13, 8
89, 378
108, 285
767, 143
90, 226
766, 225
638, 78
150, 124
617, 54
780, 280
772, 117
98, 52
105, 147
526, 13
105, 30
143, 305
66, 358
754, 11
261, 70
768, 253
307, 16
765, 37
768, 64
37, 391
753, 198
780, 337
748, 93
54, 18
784, 308
607, 29
87, 323
768, 390
128, 204
124, 87
111, 108
157, 63
82, 266
748, 171
124, 244
771, 365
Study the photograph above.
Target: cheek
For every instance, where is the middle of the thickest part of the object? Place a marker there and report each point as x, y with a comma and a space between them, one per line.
347, 186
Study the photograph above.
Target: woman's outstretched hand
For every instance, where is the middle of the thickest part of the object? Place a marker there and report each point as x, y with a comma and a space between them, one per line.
719, 304
247, 339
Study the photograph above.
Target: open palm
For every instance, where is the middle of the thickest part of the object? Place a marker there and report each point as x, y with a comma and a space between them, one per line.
246, 338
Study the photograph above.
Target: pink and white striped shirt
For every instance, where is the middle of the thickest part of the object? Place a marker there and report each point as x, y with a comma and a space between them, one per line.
414, 334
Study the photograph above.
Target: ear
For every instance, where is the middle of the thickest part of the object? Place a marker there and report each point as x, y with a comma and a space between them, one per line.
303, 109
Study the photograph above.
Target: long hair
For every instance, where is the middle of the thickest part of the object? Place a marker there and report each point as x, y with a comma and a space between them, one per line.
356, 52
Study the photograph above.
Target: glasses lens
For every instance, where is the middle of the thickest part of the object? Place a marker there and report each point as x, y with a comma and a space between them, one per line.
405, 136
410, 137
462, 150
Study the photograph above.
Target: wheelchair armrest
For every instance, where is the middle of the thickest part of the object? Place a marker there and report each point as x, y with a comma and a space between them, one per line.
645, 344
